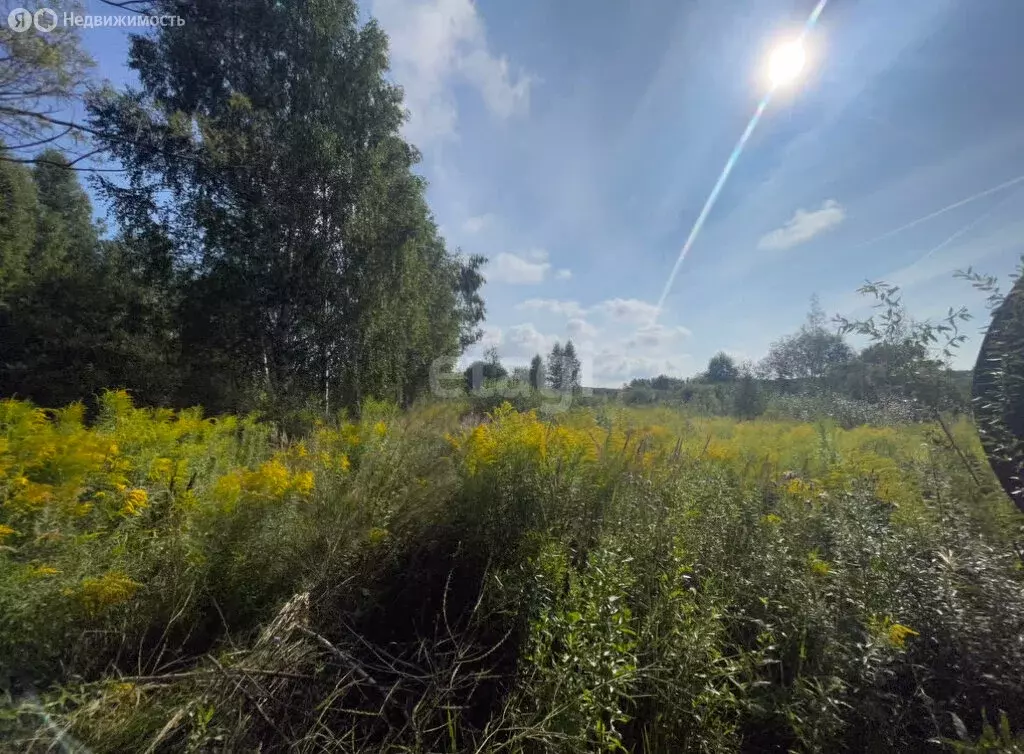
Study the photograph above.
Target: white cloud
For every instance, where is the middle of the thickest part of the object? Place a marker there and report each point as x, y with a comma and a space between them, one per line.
516, 270
491, 76
804, 225
611, 368
578, 328
474, 225
432, 45
491, 337
537, 255
560, 308
523, 341
628, 310
657, 336
563, 274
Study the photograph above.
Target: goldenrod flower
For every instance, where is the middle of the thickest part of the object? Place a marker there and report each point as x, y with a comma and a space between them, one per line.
162, 470
135, 502
817, 565
303, 482
898, 634
112, 588
6, 531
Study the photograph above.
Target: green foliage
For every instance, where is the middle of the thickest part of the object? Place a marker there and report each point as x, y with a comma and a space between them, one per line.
722, 368
998, 392
811, 353
907, 357
267, 178
629, 579
38, 69
1001, 740
748, 403
536, 373
80, 317
19, 211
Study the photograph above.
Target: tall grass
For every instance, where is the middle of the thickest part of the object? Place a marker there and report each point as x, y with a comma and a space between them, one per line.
609, 579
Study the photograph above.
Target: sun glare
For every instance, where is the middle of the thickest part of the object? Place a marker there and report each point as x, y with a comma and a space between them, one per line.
785, 63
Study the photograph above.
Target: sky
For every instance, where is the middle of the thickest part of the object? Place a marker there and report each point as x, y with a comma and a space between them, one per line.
574, 144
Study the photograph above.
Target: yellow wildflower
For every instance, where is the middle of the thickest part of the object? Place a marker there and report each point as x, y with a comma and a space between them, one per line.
227, 489
271, 479
135, 502
31, 496
818, 566
772, 520
344, 463
898, 634
162, 470
43, 571
6, 531
112, 588
376, 535
380, 429
303, 482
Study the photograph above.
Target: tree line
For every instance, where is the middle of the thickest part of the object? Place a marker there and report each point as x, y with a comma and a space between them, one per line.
561, 372
272, 246
899, 361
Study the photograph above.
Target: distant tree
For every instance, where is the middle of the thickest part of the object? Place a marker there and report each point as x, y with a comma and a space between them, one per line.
556, 367
485, 370
664, 382
564, 367
813, 352
906, 356
722, 368
571, 369
81, 316
536, 372
747, 399
66, 232
19, 211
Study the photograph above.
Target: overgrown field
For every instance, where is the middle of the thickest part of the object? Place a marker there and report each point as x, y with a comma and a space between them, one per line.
609, 579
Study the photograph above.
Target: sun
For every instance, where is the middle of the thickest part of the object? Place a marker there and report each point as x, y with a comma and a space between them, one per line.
785, 63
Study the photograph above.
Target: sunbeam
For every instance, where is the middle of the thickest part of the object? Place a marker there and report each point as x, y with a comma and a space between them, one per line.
784, 70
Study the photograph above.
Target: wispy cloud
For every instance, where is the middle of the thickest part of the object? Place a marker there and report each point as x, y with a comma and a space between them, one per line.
612, 367
517, 270
657, 336
554, 306
628, 310
579, 328
803, 226
563, 274
436, 44
476, 224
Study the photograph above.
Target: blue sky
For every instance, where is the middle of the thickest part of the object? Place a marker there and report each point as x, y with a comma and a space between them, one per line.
574, 143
